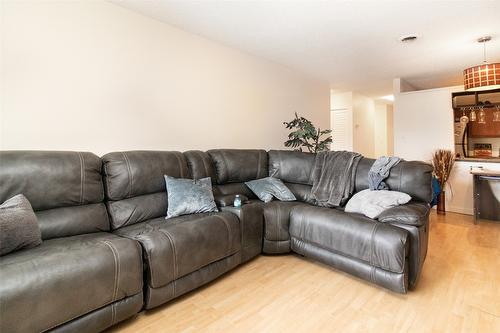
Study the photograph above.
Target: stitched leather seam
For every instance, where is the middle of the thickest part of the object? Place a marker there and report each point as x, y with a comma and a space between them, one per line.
242, 225
174, 256
116, 258
113, 222
82, 177
265, 232
400, 176
280, 164
203, 162
146, 253
83, 180
311, 173
190, 165
174, 288
130, 178
106, 176
113, 314
181, 169
372, 244
229, 234
223, 158
258, 164
278, 218
372, 274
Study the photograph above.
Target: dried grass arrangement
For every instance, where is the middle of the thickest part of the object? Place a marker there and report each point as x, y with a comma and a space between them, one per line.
442, 161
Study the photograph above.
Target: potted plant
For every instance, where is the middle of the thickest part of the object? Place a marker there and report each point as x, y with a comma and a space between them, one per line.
442, 161
305, 134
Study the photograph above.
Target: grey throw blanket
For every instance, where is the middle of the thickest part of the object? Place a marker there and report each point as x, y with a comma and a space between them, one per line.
333, 177
379, 171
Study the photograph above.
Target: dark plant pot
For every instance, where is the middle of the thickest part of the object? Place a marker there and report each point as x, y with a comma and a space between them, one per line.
441, 208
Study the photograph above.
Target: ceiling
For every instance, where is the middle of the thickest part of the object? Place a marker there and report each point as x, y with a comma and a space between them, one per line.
353, 45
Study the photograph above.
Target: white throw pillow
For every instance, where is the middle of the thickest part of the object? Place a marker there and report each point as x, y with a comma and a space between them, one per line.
373, 203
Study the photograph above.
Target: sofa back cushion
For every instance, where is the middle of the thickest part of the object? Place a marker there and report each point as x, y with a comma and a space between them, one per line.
411, 177
233, 167
295, 169
135, 185
64, 188
238, 165
200, 165
291, 166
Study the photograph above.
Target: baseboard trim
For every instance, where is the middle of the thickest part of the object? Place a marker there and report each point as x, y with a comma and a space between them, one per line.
461, 210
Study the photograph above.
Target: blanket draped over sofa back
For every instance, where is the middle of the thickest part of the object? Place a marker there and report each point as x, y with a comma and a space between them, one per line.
334, 177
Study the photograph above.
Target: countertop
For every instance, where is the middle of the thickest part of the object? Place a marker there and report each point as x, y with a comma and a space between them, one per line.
478, 159
485, 172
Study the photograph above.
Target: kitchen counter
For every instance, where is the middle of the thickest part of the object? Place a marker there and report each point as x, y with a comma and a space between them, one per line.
486, 189
478, 159
485, 172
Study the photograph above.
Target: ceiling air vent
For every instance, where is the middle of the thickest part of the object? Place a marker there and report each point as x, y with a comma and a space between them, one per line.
408, 38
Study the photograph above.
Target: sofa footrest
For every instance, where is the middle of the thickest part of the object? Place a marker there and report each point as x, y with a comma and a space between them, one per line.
157, 296
397, 282
105, 317
352, 235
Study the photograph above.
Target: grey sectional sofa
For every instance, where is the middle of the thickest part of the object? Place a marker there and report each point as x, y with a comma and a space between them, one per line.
108, 252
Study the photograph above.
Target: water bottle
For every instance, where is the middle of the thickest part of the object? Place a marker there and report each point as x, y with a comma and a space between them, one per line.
237, 201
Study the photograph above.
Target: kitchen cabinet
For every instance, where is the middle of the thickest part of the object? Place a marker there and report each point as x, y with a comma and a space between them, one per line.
489, 130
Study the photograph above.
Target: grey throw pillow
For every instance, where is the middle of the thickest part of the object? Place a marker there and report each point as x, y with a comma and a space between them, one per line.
189, 196
18, 225
373, 203
267, 188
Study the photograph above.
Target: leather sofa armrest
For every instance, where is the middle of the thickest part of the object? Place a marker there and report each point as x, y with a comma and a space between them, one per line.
228, 199
413, 213
252, 227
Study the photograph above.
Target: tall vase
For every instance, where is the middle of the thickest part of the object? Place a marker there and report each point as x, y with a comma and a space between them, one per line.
441, 207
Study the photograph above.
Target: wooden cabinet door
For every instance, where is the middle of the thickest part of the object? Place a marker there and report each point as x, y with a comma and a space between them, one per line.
489, 130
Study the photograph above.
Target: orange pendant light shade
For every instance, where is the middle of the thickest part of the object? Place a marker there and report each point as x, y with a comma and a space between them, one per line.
482, 76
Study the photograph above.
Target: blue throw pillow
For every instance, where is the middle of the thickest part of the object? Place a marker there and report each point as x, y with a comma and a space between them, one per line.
189, 196
267, 188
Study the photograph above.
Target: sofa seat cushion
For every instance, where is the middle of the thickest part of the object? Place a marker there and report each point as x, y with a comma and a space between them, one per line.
181, 245
353, 235
277, 219
65, 278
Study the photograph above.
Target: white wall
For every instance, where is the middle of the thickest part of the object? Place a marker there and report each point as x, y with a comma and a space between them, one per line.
364, 125
369, 128
383, 130
390, 130
423, 122
90, 75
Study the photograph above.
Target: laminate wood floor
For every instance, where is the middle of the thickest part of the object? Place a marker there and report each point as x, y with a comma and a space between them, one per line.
459, 291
